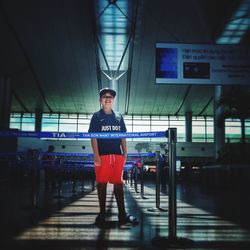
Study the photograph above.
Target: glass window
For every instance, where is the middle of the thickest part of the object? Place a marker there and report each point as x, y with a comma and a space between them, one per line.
247, 130
28, 122
83, 123
198, 129
64, 116
67, 123
25, 121
28, 127
50, 122
128, 122
210, 129
159, 123
68, 120
65, 127
179, 124
141, 126
49, 127
83, 128
15, 120
233, 130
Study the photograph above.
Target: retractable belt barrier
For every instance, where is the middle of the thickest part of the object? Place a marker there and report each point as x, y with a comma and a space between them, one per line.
83, 135
90, 155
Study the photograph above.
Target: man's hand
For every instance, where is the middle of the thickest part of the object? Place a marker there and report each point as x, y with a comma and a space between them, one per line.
125, 157
97, 160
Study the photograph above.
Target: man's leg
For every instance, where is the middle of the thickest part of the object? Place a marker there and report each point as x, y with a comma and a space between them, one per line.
118, 190
102, 190
119, 196
123, 216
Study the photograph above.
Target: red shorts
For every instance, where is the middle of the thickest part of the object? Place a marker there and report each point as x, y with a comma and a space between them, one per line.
110, 170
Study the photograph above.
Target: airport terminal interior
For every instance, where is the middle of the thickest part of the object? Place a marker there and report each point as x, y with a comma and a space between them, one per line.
180, 70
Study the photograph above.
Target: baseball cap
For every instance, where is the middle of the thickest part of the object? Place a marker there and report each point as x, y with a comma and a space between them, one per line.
107, 90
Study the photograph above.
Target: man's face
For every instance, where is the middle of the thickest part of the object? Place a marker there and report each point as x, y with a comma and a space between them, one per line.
107, 100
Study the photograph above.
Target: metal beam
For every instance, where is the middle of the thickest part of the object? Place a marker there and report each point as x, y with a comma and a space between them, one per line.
183, 100
131, 50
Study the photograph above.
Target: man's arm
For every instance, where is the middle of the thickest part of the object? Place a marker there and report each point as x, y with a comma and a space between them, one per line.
124, 148
97, 159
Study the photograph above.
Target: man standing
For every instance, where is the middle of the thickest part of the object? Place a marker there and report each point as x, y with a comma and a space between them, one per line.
109, 156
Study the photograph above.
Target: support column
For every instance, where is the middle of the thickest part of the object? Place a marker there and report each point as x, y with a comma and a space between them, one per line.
188, 126
113, 84
205, 118
243, 141
5, 103
38, 120
219, 122
7, 144
243, 133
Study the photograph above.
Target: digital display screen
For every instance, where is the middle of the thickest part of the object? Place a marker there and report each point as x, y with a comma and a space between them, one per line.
196, 70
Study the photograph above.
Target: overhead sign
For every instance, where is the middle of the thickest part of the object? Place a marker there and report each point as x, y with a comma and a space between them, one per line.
202, 64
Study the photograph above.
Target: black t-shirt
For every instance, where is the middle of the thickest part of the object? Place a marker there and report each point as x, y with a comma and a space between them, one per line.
101, 122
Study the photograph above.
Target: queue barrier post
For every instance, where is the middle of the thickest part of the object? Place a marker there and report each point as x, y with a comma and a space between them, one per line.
142, 182
34, 177
135, 168
73, 179
157, 186
59, 188
59, 180
83, 179
172, 240
131, 177
93, 181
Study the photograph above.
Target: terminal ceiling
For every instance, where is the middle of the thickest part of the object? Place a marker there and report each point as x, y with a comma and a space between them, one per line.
58, 54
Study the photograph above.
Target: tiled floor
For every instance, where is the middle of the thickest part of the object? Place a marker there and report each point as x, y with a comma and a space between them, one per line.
69, 224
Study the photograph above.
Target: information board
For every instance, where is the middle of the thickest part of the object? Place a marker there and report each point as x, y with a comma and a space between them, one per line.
202, 64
